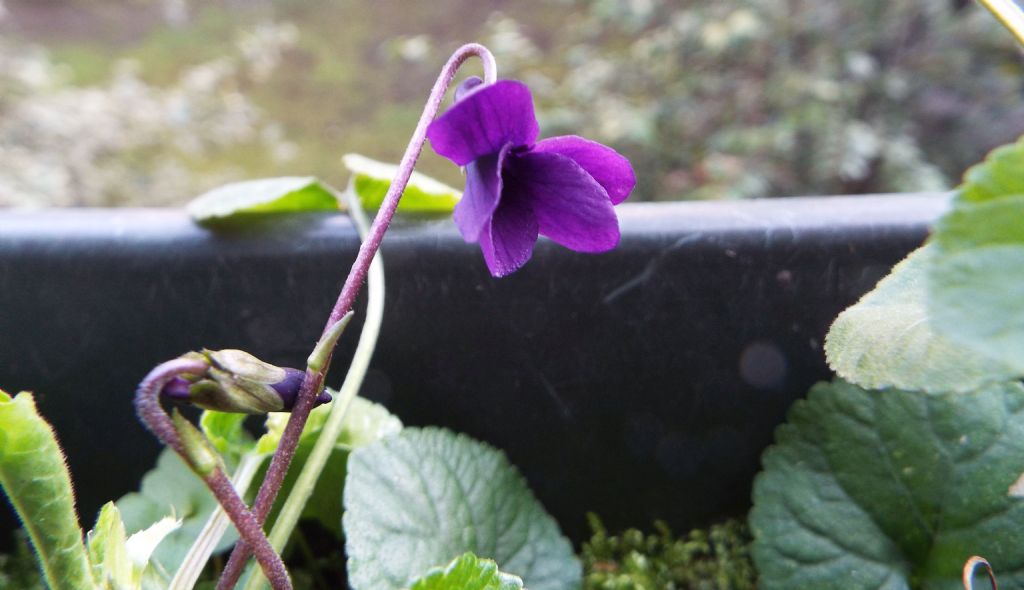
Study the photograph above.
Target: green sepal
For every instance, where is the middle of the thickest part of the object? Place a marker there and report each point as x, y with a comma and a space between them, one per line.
202, 456
325, 345
236, 382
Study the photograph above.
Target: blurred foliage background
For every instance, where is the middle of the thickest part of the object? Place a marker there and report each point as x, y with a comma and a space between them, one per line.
150, 102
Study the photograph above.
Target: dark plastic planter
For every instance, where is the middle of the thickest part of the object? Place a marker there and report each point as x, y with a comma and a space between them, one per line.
639, 384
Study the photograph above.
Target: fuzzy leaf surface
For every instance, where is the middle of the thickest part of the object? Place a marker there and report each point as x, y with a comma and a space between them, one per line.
238, 200
887, 340
891, 490
428, 495
467, 572
36, 480
371, 180
976, 283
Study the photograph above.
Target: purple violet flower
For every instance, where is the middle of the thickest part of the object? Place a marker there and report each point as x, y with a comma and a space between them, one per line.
516, 187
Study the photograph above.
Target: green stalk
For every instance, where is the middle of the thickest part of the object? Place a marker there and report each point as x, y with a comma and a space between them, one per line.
1008, 13
192, 566
303, 488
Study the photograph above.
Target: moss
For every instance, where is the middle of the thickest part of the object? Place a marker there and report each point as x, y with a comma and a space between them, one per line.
716, 558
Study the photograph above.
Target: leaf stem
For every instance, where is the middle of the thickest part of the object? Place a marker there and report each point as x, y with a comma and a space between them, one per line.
1009, 14
152, 414
314, 465
314, 380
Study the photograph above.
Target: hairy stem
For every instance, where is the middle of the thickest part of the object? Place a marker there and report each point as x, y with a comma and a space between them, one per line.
314, 465
314, 380
152, 414
199, 554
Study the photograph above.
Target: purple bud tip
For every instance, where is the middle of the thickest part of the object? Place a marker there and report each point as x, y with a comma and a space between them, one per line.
288, 388
177, 390
467, 86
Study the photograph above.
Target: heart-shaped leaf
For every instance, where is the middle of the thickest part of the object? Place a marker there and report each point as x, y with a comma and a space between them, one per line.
467, 573
976, 282
423, 194
891, 489
239, 200
886, 339
426, 496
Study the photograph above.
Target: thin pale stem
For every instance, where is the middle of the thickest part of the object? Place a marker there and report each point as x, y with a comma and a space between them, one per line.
314, 465
1008, 13
969, 568
314, 380
152, 414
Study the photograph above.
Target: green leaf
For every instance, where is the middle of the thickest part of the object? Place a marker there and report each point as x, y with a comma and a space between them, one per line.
886, 339
108, 554
891, 489
287, 194
36, 479
426, 496
227, 433
371, 180
976, 282
467, 572
119, 562
171, 489
365, 422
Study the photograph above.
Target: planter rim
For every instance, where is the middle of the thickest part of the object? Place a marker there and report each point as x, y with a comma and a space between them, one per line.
835, 212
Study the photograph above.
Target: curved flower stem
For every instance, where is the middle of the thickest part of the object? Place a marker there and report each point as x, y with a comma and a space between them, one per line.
1009, 14
971, 565
314, 380
152, 414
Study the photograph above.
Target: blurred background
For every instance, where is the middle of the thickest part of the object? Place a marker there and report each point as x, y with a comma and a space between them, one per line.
151, 102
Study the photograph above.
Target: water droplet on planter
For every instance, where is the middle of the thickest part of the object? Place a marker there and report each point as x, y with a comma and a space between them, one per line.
763, 365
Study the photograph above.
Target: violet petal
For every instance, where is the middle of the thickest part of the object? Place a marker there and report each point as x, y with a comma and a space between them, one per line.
484, 121
177, 389
288, 389
570, 206
608, 167
482, 194
507, 241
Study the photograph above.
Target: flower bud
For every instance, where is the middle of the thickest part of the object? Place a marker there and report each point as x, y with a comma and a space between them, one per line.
239, 382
